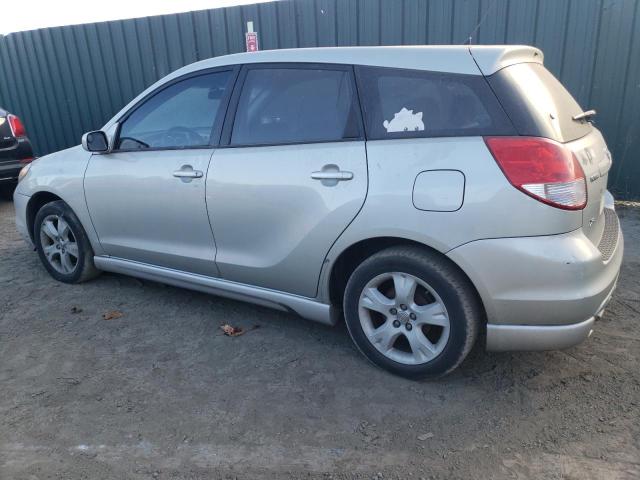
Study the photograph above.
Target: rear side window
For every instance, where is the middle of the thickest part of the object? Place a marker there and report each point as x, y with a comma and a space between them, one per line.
537, 103
402, 103
178, 116
295, 105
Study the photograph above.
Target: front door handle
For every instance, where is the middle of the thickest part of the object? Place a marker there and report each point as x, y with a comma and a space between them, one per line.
186, 173
340, 175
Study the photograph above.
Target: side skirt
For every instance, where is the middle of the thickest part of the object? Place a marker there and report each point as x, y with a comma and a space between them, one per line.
303, 306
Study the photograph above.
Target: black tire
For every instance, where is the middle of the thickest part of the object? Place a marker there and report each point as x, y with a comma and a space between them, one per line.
84, 268
464, 309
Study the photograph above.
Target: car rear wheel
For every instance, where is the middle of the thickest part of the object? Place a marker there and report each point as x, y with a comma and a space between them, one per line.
412, 312
62, 244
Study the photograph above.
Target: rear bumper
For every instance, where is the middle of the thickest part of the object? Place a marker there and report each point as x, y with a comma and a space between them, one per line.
12, 160
541, 293
9, 171
502, 338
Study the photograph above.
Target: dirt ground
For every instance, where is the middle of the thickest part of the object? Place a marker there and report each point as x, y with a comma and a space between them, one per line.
161, 393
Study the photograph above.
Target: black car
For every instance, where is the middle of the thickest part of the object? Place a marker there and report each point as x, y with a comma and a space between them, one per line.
15, 151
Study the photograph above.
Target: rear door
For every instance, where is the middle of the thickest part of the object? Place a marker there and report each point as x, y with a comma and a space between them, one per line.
292, 176
539, 105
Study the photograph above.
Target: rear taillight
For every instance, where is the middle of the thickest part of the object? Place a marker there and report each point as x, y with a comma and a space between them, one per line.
17, 127
541, 168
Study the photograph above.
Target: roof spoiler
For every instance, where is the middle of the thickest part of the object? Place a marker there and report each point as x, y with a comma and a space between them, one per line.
491, 58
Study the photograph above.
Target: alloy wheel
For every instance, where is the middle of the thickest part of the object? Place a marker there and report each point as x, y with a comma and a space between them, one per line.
59, 244
404, 318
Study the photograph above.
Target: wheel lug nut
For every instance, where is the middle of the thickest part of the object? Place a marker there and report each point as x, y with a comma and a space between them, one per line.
412, 316
403, 307
396, 323
408, 326
393, 311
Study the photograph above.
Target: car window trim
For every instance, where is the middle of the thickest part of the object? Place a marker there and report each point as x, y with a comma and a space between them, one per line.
216, 129
232, 108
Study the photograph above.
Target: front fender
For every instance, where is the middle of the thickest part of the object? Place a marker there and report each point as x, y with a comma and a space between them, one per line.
62, 174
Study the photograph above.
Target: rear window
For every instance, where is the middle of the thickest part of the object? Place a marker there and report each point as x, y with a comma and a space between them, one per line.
401, 103
537, 103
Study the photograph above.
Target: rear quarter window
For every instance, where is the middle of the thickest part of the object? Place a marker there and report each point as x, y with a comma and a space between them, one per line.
537, 103
400, 103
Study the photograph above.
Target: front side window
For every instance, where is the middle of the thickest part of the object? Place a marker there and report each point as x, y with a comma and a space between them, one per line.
401, 103
289, 105
179, 116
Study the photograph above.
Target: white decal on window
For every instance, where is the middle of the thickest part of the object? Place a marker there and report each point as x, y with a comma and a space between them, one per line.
404, 121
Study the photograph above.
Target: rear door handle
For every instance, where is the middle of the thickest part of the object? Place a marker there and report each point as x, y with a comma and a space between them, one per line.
340, 175
331, 174
186, 173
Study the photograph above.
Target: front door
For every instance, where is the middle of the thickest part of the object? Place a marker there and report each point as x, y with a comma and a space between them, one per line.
292, 175
147, 197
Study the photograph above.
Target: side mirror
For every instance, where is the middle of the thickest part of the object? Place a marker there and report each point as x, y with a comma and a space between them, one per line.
95, 141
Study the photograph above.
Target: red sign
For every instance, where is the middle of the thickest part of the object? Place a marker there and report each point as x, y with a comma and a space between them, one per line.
252, 41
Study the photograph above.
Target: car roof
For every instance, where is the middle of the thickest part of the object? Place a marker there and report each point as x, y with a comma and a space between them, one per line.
454, 59
461, 59
438, 58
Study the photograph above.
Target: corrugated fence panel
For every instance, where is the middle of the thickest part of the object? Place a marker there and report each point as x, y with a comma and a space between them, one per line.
64, 81
465, 19
392, 25
551, 31
440, 28
347, 22
268, 34
626, 174
326, 15
580, 47
288, 30
369, 20
415, 22
493, 29
306, 21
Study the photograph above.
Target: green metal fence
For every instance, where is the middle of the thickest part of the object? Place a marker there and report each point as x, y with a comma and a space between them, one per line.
64, 81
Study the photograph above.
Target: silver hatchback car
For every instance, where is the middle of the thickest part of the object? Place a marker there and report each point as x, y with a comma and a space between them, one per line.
426, 194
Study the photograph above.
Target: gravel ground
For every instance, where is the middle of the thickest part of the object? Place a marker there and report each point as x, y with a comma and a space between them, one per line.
161, 393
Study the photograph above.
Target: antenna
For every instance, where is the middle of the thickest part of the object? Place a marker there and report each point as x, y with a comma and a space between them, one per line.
482, 19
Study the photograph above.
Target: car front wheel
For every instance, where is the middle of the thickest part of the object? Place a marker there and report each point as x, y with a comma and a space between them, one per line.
62, 244
412, 312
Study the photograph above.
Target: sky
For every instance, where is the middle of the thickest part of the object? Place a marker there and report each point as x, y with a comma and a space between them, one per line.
19, 15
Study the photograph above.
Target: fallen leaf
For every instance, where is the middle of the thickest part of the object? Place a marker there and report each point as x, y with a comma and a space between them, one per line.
114, 314
75, 309
232, 331
425, 436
